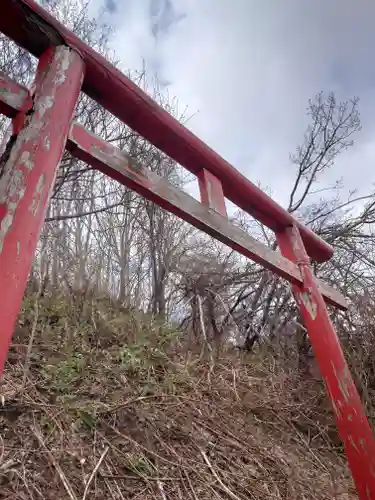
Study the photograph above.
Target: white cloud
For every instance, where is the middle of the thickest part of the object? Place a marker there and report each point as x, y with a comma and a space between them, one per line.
249, 68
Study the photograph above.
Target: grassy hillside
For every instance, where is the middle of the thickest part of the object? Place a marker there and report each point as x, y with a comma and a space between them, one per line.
107, 403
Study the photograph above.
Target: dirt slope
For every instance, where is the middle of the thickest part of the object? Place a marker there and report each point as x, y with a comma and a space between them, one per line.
109, 404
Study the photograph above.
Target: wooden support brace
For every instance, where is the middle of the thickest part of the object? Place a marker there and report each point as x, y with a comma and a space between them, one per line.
211, 190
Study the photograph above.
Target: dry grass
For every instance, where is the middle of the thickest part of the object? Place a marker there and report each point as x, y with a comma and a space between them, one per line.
113, 406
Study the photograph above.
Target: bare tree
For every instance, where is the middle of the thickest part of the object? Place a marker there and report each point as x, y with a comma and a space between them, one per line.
261, 304
330, 132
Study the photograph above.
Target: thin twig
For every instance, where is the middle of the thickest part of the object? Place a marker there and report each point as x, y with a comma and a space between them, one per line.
205, 337
60, 472
2, 449
214, 473
202, 323
190, 485
27, 363
161, 490
226, 309
94, 472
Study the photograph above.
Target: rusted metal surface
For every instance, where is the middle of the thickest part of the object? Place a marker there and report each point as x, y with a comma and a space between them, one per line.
34, 29
13, 97
352, 423
116, 164
211, 191
28, 176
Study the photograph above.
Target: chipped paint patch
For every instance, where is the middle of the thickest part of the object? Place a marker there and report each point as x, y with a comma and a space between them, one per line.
47, 143
38, 194
64, 57
43, 104
209, 188
31, 130
26, 160
352, 442
336, 410
13, 187
310, 305
5, 225
344, 381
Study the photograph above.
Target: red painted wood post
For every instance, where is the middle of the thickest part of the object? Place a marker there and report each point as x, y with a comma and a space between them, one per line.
352, 423
28, 173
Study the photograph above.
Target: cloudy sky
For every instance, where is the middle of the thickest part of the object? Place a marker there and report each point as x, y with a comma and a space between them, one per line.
247, 68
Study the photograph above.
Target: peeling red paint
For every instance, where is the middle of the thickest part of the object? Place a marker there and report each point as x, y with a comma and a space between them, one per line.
310, 305
344, 381
28, 175
352, 423
38, 195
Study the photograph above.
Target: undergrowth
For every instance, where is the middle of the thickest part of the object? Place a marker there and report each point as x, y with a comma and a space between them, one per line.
107, 403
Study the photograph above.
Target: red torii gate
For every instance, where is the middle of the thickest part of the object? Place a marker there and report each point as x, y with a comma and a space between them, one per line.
42, 120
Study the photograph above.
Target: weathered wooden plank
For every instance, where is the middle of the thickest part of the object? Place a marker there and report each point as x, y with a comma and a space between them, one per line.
119, 166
